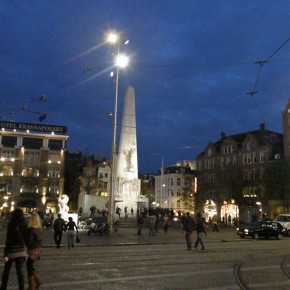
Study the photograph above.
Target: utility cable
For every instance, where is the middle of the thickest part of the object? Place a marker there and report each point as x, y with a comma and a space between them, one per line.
261, 63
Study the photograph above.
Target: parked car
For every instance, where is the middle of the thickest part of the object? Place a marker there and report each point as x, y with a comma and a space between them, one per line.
284, 220
265, 229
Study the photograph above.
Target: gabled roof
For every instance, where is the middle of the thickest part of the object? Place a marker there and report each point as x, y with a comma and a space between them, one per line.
262, 137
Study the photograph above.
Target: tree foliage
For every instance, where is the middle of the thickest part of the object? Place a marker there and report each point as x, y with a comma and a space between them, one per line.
187, 196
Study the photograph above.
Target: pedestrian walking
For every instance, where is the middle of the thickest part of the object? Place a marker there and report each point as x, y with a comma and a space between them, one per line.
200, 231
182, 221
118, 212
230, 220
166, 222
33, 243
116, 222
139, 223
152, 219
215, 226
93, 210
81, 211
71, 227
14, 250
188, 228
59, 227
132, 212
156, 224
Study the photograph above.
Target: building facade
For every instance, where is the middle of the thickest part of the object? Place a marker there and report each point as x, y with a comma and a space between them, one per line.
32, 165
232, 173
175, 188
93, 184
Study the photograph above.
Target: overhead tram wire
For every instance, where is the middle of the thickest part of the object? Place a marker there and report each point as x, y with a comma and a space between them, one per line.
277, 50
261, 63
254, 92
40, 26
87, 67
192, 65
43, 99
162, 66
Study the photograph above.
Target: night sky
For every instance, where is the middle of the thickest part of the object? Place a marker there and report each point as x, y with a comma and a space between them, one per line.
192, 64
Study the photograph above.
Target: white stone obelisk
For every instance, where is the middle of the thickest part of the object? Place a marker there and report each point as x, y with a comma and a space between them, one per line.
127, 191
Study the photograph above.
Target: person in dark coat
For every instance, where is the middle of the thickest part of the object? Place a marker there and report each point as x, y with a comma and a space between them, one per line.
58, 226
33, 243
14, 250
139, 223
188, 228
200, 231
93, 210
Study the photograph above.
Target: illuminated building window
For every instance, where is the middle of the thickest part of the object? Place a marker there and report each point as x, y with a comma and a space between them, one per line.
262, 157
209, 152
53, 172
7, 170
31, 156
8, 153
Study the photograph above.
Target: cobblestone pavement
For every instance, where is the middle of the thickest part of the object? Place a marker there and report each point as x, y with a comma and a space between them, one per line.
128, 261
223, 265
126, 235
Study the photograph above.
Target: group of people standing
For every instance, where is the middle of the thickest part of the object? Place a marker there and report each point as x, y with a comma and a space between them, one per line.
153, 220
23, 246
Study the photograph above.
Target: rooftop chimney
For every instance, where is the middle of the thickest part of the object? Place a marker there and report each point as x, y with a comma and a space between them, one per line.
223, 135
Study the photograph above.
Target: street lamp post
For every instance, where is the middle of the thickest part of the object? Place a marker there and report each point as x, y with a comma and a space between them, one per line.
121, 61
161, 191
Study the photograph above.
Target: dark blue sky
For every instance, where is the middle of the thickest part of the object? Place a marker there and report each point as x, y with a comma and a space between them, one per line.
192, 64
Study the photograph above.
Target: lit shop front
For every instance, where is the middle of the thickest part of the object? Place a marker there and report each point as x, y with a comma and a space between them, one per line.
229, 209
210, 210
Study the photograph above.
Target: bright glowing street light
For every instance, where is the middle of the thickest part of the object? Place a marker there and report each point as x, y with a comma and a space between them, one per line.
112, 37
121, 62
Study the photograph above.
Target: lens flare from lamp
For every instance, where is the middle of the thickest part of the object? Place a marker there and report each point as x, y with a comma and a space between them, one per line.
122, 60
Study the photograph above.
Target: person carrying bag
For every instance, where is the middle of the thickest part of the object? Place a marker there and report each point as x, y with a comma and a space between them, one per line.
77, 238
34, 239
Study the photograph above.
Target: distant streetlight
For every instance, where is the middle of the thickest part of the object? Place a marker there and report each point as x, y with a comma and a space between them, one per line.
121, 61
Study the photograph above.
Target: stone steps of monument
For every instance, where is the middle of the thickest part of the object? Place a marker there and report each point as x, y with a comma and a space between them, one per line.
128, 223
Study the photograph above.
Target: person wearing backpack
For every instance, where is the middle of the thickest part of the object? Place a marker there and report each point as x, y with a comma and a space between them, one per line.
58, 226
